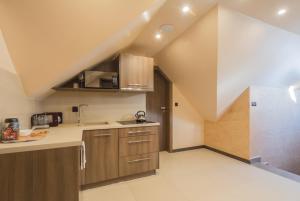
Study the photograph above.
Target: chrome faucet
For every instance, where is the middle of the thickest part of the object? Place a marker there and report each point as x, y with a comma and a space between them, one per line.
79, 113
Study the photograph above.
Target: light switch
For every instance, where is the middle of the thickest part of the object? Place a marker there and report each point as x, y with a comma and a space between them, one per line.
253, 104
74, 109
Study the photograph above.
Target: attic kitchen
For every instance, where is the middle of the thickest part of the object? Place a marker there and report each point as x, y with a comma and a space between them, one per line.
85, 144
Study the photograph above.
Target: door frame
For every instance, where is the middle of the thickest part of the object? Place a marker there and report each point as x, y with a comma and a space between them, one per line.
170, 108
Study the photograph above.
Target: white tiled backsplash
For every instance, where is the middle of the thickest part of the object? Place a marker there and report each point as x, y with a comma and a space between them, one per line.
102, 106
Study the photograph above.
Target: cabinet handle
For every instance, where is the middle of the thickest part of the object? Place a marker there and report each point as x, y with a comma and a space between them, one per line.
102, 135
137, 132
139, 160
139, 141
82, 156
137, 85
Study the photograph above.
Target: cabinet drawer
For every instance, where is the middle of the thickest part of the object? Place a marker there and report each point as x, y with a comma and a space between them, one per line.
137, 164
138, 145
100, 133
138, 131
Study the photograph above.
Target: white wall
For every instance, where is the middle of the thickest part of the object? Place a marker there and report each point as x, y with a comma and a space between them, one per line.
275, 127
187, 124
191, 62
13, 102
251, 52
103, 106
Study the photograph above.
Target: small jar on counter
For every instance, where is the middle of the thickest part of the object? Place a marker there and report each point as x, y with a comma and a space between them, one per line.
11, 129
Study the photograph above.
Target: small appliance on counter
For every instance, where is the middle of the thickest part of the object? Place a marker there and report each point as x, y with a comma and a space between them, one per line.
134, 122
10, 130
140, 116
46, 120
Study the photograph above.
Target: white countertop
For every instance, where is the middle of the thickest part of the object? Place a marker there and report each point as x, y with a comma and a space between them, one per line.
66, 135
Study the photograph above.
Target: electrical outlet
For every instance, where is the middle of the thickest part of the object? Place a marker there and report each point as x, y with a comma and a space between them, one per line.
74, 109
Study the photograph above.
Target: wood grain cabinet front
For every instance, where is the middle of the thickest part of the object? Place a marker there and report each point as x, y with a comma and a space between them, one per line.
47, 175
115, 153
138, 150
138, 145
131, 165
101, 156
136, 73
138, 131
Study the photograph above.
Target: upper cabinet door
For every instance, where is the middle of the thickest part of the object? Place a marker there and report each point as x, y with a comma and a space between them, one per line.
136, 73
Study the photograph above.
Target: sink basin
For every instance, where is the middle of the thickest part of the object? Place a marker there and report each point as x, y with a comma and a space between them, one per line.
95, 123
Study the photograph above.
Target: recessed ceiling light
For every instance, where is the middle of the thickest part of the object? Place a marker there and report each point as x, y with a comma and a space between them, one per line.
282, 12
185, 9
158, 36
146, 16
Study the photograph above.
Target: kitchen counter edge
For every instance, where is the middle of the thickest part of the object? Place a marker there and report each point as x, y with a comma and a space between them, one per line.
66, 135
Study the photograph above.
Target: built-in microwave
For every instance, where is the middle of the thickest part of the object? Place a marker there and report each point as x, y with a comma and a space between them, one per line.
101, 80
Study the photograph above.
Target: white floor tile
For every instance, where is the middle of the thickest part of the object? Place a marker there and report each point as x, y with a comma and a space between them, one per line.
200, 175
114, 192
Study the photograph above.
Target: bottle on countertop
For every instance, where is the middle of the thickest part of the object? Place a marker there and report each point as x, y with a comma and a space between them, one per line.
81, 80
11, 129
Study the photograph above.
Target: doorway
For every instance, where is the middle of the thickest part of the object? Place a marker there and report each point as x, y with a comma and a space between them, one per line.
159, 108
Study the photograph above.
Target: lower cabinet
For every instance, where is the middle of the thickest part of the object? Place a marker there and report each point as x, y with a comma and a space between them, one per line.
116, 153
131, 165
48, 175
101, 156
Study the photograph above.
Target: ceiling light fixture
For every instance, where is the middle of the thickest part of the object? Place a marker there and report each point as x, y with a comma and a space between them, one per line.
185, 9
146, 16
166, 28
158, 36
281, 12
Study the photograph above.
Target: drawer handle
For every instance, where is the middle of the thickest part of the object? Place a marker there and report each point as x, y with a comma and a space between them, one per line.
102, 135
136, 85
139, 141
139, 160
137, 132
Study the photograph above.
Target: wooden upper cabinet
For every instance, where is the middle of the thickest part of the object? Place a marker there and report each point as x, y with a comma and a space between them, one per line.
136, 73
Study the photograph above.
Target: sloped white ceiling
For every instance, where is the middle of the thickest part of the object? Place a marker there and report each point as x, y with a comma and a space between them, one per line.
52, 40
170, 13
252, 52
191, 63
223, 54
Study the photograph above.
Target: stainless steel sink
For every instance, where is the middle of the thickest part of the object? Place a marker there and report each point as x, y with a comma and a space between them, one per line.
95, 123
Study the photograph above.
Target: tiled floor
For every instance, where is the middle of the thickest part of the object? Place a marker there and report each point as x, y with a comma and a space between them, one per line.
200, 175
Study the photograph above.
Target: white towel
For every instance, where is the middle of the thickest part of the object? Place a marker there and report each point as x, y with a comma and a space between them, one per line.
82, 156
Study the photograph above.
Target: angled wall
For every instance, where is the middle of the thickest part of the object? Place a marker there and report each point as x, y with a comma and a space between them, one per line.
231, 133
275, 128
252, 52
217, 59
52, 40
191, 63
13, 102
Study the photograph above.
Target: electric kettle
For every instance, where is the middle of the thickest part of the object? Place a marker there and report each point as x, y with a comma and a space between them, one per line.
140, 116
